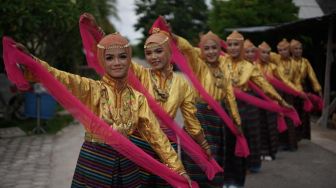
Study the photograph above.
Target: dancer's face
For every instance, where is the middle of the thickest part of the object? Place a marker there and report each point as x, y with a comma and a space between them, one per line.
249, 54
211, 51
117, 62
297, 51
264, 55
284, 52
158, 57
234, 48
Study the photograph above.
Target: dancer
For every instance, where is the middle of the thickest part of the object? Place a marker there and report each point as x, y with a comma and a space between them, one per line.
119, 105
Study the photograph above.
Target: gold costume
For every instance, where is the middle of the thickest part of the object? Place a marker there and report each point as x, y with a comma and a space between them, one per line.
121, 107
268, 69
214, 78
304, 69
243, 71
172, 93
286, 70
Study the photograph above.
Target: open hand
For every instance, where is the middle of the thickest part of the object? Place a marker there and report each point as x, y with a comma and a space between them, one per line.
208, 152
91, 18
22, 48
186, 176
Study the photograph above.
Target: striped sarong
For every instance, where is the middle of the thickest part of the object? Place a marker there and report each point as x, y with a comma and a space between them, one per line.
148, 179
269, 133
99, 165
235, 171
288, 139
302, 131
214, 130
251, 126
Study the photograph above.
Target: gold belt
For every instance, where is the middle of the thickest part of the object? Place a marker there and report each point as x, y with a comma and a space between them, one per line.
90, 137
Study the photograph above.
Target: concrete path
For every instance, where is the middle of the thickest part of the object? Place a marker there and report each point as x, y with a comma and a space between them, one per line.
65, 154
25, 161
310, 167
49, 161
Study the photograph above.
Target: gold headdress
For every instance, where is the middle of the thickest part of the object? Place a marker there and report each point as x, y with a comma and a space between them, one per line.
235, 35
264, 46
283, 44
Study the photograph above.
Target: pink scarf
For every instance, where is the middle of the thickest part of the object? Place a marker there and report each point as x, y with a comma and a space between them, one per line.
316, 100
209, 166
270, 105
282, 125
241, 148
307, 105
92, 123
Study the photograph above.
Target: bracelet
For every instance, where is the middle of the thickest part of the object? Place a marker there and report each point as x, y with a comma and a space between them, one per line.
101, 31
204, 142
205, 145
181, 173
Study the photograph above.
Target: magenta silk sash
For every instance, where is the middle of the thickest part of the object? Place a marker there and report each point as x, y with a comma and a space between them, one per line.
90, 38
268, 105
241, 148
307, 105
209, 166
316, 100
282, 125
92, 123
272, 106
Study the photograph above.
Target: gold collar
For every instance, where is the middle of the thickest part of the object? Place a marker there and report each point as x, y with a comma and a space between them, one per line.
117, 84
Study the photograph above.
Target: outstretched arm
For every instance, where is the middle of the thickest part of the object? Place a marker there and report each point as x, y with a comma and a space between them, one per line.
313, 79
260, 80
77, 85
192, 55
150, 130
192, 125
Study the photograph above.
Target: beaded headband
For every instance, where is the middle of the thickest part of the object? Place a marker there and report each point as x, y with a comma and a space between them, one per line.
113, 46
156, 44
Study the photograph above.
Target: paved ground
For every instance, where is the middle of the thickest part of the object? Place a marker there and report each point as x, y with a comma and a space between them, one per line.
25, 161
49, 161
65, 154
310, 167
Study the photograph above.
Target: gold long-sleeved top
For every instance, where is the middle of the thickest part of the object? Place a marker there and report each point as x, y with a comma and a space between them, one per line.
215, 79
266, 68
121, 107
243, 71
179, 95
270, 69
305, 69
286, 70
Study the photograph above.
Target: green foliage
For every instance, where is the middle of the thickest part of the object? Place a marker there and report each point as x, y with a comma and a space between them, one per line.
49, 28
244, 13
187, 18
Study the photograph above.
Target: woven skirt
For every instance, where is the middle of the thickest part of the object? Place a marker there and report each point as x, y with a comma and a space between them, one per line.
235, 171
148, 179
214, 130
251, 123
99, 165
269, 133
303, 131
288, 139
